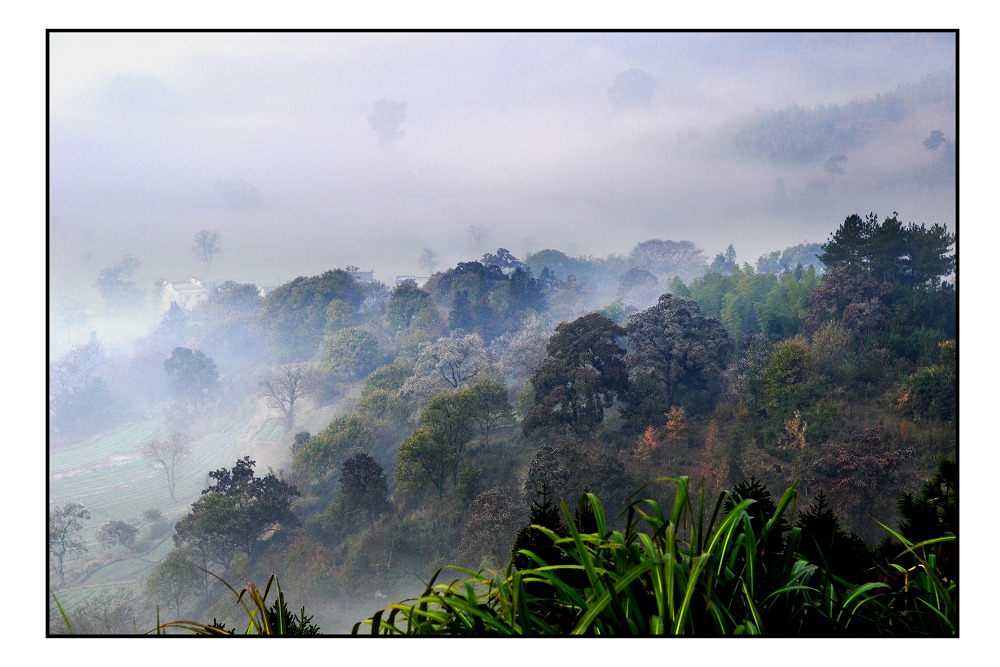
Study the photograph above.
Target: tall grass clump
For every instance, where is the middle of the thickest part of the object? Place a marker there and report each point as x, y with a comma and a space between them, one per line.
274, 620
682, 572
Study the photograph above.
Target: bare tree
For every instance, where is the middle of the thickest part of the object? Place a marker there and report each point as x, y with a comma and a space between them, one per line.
65, 524
167, 454
428, 260
283, 389
477, 234
207, 245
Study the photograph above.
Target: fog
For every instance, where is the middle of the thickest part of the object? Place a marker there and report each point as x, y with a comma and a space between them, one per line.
266, 139
308, 152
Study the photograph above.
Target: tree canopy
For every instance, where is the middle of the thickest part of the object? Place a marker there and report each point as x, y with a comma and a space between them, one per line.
237, 513
294, 316
908, 255
582, 375
676, 357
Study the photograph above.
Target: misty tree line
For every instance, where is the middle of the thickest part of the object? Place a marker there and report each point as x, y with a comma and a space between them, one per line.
502, 379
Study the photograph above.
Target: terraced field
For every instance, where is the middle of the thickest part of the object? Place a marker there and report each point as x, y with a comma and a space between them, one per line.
109, 477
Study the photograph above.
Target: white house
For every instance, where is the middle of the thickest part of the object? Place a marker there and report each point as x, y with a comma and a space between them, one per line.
186, 294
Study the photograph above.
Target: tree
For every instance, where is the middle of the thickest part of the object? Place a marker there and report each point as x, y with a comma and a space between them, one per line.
385, 119
428, 260
491, 409
522, 351
667, 258
785, 261
322, 453
890, 251
639, 284
207, 245
861, 477
405, 302
424, 462
174, 580
167, 454
824, 542
930, 393
546, 514
504, 260
477, 234
117, 534
676, 357
237, 513
116, 284
582, 375
283, 389
494, 518
295, 315
724, 263
80, 402
193, 376
851, 297
110, 612
789, 379
632, 88
65, 524
488, 298
448, 417
364, 486
448, 364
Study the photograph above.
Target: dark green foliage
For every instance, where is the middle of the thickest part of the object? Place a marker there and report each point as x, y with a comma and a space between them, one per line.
930, 394
676, 358
932, 513
295, 625
760, 511
193, 376
117, 534
352, 353
406, 302
649, 579
547, 515
364, 486
490, 406
582, 375
504, 260
572, 466
824, 542
301, 438
294, 316
907, 255
321, 455
236, 513
487, 299
724, 263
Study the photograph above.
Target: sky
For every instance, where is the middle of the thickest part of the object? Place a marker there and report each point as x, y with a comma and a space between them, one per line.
270, 139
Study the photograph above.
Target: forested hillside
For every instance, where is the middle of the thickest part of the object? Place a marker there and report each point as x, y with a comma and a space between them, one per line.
420, 426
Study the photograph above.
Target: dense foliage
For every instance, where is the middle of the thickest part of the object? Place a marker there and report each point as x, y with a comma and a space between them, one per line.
461, 423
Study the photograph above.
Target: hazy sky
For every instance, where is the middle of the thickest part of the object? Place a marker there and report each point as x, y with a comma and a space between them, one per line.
265, 137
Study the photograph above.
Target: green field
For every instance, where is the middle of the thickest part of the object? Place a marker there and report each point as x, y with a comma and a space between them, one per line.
108, 476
